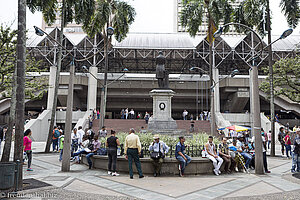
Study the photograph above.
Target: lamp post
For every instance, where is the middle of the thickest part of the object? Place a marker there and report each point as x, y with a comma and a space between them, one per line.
68, 124
254, 98
109, 32
214, 84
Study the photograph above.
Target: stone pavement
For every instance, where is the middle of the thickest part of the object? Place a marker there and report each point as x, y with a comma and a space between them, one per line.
82, 183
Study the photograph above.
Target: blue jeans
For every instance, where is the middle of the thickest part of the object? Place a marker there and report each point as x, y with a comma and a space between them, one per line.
183, 163
55, 144
296, 162
288, 149
60, 154
247, 157
88, 157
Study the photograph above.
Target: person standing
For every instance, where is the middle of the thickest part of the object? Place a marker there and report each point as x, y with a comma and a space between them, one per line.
230, 163
27, 148
211, 153
98, 114
126, 113
264, 149
112, 143
296, 153
185, 114
269, 136
281, 136
61, 146
181, 156
55, 135
132, 151
80, 135
147, 116
122, 113
131, 114
75, 138
288, 143
160, 149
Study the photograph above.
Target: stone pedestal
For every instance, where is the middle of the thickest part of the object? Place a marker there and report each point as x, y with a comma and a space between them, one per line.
162, 119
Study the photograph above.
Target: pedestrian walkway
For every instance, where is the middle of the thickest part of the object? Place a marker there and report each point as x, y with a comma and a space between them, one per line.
100, 185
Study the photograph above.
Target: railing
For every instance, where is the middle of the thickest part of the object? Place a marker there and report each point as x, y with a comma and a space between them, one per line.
192, 150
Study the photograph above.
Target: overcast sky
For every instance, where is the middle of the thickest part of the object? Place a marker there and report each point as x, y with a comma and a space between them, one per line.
152, 16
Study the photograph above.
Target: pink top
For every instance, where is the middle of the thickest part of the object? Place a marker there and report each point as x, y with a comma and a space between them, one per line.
27, 143
287, 140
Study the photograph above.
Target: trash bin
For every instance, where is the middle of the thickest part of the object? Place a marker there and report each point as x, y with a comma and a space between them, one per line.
7, 175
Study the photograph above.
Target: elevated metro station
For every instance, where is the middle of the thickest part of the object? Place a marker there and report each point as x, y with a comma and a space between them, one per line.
137, 53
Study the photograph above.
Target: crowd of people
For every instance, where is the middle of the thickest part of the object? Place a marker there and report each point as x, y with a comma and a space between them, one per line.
235, 153
203, 116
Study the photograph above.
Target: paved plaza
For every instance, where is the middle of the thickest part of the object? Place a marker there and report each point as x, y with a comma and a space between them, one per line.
82, 183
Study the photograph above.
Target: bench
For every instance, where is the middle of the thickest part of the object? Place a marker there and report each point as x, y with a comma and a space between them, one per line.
169, 167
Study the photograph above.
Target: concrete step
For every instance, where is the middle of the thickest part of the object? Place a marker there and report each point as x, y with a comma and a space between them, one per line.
123, 125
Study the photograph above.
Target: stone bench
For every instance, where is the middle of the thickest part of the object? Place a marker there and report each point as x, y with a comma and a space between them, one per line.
170, 166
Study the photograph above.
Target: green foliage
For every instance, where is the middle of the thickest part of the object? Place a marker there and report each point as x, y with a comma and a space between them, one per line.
193, 13
253, 13
34, 87
286, 73
117, 14
147, 138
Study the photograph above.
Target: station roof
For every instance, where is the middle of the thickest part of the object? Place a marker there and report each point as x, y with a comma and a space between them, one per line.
169, 41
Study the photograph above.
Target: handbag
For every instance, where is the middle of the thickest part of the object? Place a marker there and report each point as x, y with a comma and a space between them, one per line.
157, 155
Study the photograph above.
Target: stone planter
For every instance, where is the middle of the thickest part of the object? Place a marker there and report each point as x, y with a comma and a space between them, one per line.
7, 175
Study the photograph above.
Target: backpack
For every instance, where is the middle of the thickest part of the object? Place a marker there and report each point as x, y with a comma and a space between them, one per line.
56, 133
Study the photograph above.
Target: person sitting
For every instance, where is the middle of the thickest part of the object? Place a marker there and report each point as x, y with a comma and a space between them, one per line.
90, 149
224, 154
160, 149
181, 156
211, 153
235, 153
243, 151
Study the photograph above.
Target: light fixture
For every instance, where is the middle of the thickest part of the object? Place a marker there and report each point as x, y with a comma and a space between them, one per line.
286, 33
125, 70
110, 31
38, 31
84, 68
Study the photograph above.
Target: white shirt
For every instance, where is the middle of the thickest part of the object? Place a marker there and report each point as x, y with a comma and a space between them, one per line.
81, 134
269, 136
74, 136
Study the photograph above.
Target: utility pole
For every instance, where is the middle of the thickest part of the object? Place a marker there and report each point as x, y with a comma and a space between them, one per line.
270, 59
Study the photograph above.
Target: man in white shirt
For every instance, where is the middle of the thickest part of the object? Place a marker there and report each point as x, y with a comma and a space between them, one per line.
80, 134
184, 114
211, 153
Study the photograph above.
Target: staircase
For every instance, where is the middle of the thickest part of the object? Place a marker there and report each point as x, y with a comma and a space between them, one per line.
123, 125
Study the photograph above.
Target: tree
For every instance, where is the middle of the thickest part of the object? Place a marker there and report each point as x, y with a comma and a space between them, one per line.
193, 14
34, 87
78, 10
109, 13
286, 74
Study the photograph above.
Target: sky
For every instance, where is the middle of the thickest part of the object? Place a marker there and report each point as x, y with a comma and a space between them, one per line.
155, 16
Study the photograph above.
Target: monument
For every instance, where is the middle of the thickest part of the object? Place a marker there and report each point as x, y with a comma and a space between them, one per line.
162, 121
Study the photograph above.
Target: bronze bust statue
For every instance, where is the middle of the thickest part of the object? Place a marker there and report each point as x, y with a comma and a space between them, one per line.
162, 75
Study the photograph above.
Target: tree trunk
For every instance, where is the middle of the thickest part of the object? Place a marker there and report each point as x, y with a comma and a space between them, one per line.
270, 59
68, 127
12, 116
59, 57
20, 96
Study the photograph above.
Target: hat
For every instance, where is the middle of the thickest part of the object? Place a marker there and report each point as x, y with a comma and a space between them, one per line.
156, 137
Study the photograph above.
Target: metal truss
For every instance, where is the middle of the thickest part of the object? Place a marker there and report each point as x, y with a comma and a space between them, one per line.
226, 57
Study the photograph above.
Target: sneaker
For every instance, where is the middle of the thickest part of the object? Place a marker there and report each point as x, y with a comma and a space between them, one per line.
219, 172
115, 174
141, 176
293, 171
216, 172
268, 172
109, 173
29, 169
180, 172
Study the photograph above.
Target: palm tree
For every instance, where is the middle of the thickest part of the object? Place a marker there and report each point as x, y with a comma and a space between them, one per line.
256, 13
78, 10
109, 13
194, 14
